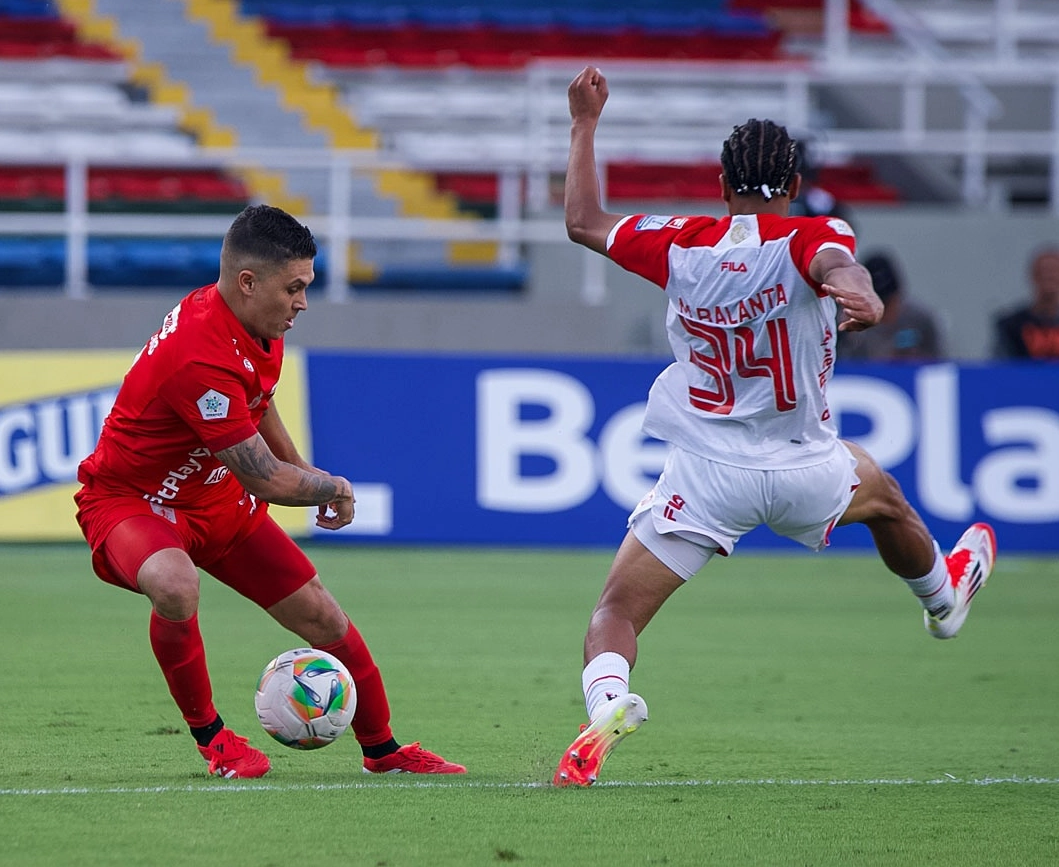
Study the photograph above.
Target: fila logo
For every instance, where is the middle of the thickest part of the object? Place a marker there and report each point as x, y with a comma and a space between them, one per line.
736, 267
674, 505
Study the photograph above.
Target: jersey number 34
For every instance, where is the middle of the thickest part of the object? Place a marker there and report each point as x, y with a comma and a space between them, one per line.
728, 353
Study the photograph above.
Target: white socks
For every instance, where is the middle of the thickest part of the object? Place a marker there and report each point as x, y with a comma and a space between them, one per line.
934, 590
605, 677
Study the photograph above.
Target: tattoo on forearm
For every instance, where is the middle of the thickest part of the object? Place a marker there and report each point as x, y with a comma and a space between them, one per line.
255, 460
252, 458
319, 490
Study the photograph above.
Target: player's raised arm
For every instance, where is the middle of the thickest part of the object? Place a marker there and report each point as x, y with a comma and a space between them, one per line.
268, 478
849, 283
586, 221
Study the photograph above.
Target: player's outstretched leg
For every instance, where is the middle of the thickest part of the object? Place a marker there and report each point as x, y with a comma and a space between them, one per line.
583, 759
970, 564
412, 759
231, 757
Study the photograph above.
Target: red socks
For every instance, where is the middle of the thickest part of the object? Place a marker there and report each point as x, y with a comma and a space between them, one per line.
371, 722
177, 646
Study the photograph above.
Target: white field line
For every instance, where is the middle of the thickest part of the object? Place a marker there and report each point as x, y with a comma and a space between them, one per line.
227, 788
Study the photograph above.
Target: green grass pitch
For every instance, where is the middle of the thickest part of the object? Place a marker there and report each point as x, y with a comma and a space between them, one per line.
799, 715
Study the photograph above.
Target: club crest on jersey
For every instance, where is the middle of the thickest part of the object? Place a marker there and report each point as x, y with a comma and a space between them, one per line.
738, 233
651, 223
213, 404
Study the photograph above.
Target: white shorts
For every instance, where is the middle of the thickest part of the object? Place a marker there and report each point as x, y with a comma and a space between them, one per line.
699, 507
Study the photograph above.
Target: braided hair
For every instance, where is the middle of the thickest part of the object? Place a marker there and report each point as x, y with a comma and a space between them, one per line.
759, 156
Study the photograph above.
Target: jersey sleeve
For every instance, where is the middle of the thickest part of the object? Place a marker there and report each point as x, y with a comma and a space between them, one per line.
822, 233
212, 402
641, 243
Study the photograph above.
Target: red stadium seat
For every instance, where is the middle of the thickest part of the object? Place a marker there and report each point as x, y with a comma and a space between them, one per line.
28, 38
490, 45
43, 187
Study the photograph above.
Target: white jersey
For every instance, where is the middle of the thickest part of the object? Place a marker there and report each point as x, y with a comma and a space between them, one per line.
752, 333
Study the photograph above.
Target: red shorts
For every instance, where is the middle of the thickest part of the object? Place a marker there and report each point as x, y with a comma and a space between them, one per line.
239, 544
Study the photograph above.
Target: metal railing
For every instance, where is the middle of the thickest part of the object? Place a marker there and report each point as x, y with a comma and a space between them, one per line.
527, 169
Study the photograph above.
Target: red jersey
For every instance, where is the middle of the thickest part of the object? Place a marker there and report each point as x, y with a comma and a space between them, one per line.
200, 385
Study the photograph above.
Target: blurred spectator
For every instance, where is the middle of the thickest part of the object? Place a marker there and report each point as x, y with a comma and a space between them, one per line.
907, 332
1032, 330
814, 200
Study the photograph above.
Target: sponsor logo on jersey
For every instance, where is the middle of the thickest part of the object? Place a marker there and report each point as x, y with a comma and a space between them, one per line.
216, 474
677, 223
840, 227
213, 404
166, 512
248, 365
173, 480
736, 267
651, 222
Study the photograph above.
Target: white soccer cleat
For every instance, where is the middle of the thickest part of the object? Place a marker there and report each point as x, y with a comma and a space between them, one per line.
970, 563
583, 759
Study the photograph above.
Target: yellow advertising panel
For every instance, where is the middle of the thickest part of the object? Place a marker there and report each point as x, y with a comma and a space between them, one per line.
52, 406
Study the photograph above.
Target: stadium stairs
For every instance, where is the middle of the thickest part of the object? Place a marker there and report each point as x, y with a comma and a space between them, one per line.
436, 77
238, 75
287, 111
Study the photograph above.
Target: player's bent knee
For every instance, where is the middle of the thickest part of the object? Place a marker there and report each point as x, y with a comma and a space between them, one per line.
312, 613
172, 589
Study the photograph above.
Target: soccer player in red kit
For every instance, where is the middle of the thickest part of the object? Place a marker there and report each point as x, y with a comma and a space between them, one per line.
755, 301
189, 458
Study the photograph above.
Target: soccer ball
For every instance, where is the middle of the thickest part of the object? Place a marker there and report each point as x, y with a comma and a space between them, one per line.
305, 698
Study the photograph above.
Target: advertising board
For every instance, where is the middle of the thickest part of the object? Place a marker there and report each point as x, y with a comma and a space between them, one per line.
520, 451
449, 449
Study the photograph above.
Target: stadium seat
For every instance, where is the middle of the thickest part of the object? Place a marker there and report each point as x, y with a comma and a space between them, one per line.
26, 33
114, 189
491, 279
31, 261
506, 35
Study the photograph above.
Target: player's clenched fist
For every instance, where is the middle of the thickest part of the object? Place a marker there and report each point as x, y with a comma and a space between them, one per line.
587, 94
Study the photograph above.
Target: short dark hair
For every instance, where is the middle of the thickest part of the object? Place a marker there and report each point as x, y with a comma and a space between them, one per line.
759, 156
268, 234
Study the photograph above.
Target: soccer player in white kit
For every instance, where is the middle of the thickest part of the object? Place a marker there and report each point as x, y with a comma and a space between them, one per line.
755, 301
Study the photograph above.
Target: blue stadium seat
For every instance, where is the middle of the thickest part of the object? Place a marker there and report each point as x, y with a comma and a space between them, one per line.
428, 279
31, 261
28, 9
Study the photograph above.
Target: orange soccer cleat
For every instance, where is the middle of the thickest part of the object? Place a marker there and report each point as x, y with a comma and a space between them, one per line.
231, 757
412, 759
582, 761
